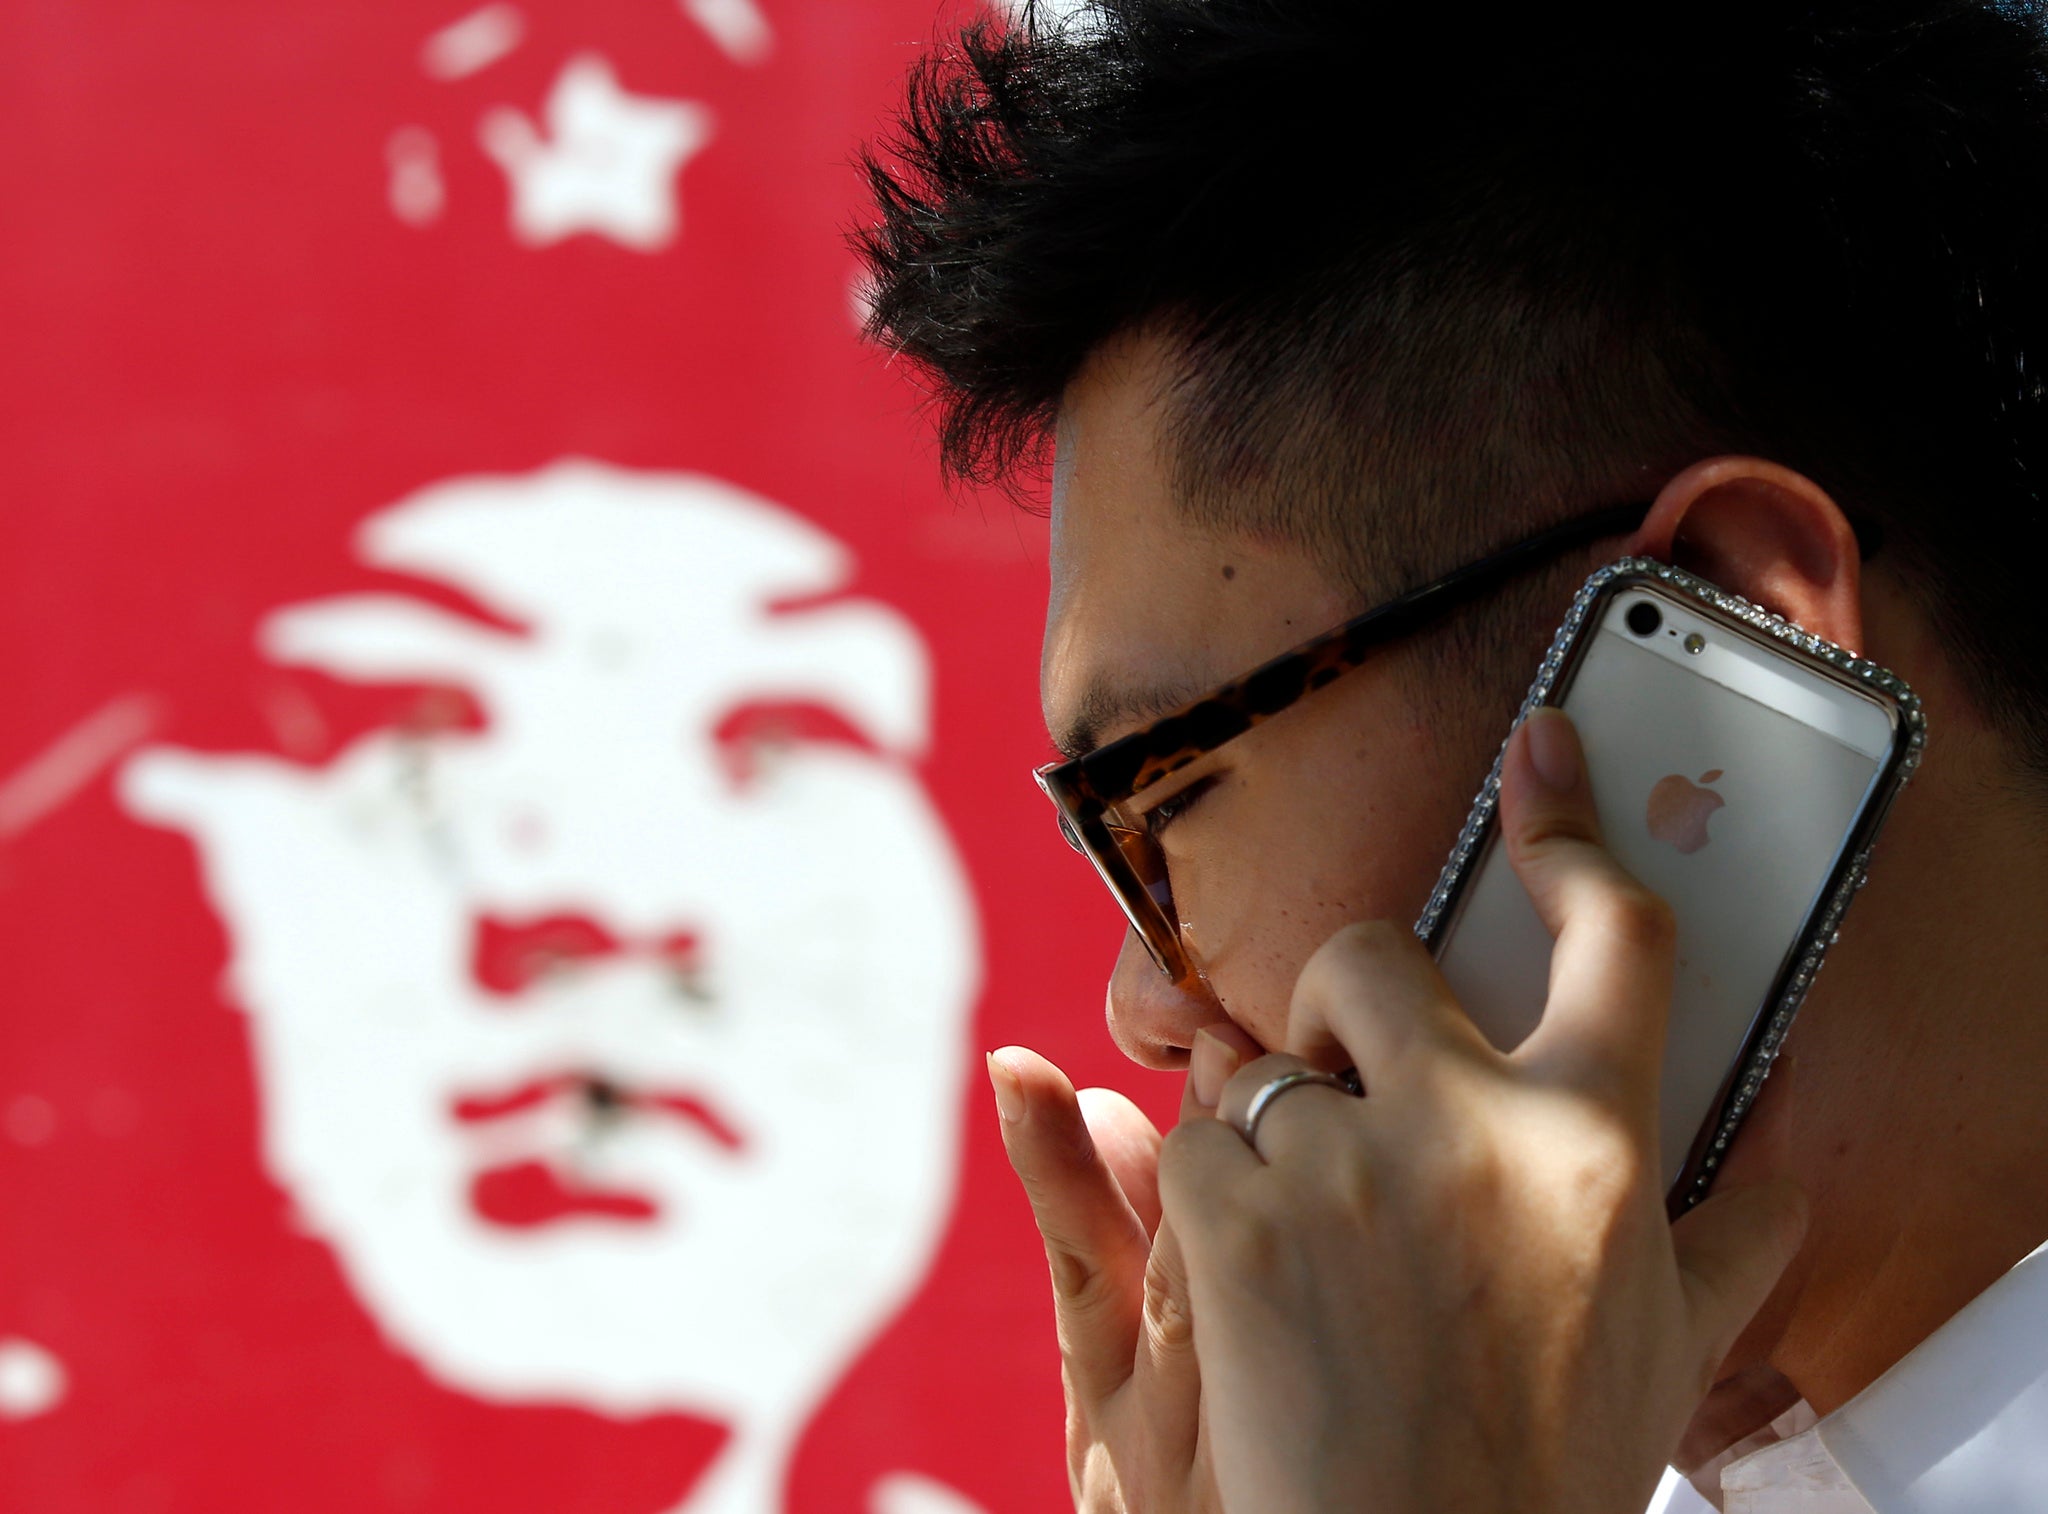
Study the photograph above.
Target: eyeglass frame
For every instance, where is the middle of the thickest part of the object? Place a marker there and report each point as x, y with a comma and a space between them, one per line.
1086, 790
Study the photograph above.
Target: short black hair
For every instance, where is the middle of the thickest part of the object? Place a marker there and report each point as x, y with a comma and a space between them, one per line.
1468, 267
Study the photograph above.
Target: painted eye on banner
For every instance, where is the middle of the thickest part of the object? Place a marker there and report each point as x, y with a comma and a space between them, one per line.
439, 709
312, 716
754, 738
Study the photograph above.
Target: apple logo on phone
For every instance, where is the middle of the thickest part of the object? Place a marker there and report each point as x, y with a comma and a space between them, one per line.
1679, 810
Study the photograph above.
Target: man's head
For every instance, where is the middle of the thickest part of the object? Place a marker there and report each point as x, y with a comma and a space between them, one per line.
561, 1022
1324, 298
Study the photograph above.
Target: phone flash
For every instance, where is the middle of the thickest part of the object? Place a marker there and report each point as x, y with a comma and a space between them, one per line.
1695, 643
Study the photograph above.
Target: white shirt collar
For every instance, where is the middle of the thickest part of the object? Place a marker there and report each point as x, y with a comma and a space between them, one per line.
1957, 1426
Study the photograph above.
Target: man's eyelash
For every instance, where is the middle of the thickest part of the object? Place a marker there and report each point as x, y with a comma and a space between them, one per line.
1161, 815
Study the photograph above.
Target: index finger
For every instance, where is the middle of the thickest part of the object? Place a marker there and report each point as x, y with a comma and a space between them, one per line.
1096, 1246
1612, 959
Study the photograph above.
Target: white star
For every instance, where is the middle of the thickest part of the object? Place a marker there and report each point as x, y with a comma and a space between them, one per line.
608, 164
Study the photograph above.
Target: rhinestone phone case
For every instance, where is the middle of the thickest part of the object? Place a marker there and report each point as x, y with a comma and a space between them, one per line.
1822, 927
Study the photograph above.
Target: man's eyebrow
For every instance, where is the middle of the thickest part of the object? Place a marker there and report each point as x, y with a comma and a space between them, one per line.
1120, 708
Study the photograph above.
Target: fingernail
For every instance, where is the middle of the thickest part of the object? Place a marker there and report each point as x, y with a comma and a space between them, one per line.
1210, 1065
1009, 1089
1554, 750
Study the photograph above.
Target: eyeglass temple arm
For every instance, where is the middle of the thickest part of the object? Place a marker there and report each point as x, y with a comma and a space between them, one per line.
1613, 520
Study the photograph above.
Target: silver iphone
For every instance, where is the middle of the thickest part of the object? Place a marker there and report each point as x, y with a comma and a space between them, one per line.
1741, 768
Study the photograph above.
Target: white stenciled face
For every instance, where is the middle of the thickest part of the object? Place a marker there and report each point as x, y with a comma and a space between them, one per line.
614, 1044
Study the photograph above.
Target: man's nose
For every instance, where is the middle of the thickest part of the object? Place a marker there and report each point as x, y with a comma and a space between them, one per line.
1152, 1018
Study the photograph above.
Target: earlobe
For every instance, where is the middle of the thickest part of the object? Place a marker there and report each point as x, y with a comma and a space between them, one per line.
1767, 533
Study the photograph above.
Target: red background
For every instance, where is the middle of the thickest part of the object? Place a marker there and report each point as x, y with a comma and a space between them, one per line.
223, 350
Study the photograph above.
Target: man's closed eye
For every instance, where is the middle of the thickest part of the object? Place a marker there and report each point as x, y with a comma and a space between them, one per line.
1165, 813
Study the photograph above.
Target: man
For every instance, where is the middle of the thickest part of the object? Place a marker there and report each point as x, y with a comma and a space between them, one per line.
1316, 301
563, 1001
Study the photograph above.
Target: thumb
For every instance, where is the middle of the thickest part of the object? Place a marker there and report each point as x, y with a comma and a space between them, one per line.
1547, 817
1731, 1252
1611, 965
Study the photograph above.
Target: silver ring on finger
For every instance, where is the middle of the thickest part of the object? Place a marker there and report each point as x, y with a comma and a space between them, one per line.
1270, 1091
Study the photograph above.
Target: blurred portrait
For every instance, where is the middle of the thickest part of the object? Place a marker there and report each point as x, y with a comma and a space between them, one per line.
515, 815
561, 1014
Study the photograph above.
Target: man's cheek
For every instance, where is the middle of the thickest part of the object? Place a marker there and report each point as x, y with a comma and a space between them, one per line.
1251, 928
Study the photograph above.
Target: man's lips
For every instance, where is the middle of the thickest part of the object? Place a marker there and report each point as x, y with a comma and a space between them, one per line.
602, 1098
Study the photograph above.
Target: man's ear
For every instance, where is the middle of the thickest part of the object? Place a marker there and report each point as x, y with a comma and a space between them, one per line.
1764, 532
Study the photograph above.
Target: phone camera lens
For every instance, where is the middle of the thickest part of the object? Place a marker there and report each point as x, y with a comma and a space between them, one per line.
1644, 618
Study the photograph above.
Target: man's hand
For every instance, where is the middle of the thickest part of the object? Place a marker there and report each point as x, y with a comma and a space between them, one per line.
1089, 1163
1460, 1293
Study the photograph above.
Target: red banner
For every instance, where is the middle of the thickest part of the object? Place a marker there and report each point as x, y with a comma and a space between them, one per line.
515, 822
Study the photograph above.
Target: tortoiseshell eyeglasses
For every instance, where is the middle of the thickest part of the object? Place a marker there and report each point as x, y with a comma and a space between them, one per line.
1093, 793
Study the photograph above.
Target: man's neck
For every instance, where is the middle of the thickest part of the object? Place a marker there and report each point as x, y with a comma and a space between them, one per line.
1917, 1116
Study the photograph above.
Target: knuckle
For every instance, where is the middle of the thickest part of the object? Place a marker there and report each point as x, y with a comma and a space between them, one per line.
1467, 1168
1545, 827
1245, 1083
1638, 917
1168, 1320
1601, 1169
1345, 970
1607, 1175
1337, 964
1079, 1286
1350, 952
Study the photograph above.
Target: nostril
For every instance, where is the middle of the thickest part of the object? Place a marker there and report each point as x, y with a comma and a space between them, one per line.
1152, 1019
509, 957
